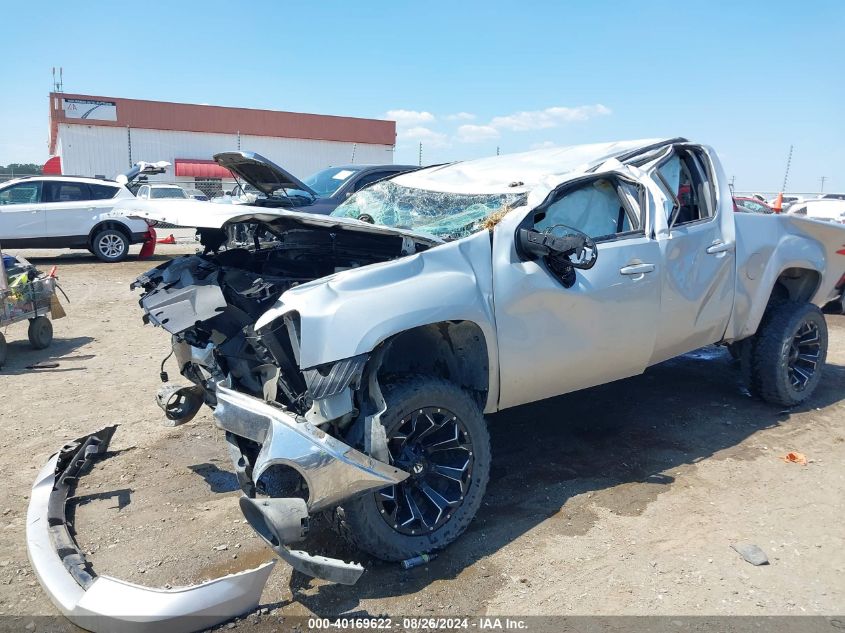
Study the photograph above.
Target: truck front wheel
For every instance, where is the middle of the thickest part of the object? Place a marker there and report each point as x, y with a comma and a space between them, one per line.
437, 433
786, 356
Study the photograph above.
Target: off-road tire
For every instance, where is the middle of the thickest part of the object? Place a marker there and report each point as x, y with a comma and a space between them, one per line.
4, 347
110, 245
766, 357
40, 332
359, 520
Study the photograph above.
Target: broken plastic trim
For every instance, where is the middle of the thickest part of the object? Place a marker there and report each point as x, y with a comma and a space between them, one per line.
102, 603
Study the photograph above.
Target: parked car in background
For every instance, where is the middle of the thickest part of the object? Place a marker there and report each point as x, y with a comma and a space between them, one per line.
832, 196
336, 184
72, 212
196, 194
241, 193
831, 209
751, 205
319, 193
159, 191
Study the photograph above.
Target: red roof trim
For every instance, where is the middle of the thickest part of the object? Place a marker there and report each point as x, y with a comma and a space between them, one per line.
161, 115
200, 168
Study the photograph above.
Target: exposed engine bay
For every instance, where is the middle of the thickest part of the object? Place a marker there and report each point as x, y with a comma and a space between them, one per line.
210, 302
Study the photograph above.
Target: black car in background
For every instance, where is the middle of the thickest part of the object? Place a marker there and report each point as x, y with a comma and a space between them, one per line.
319, 193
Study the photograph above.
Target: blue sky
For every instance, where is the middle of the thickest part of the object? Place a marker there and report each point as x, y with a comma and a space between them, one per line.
464, 77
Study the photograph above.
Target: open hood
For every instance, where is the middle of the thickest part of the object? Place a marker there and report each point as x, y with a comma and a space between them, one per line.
260, 172
208, 215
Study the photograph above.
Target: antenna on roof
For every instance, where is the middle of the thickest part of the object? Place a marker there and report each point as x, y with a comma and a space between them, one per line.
58, 85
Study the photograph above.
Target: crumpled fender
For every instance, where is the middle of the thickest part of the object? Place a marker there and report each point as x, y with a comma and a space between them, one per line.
351, 312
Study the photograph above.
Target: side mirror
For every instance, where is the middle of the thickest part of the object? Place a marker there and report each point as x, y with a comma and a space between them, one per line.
563, 250
561, 243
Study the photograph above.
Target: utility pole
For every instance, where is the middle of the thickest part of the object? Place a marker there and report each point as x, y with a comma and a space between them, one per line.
821, 189
497, 150
354, 147
420, 164
733, 181
786, 175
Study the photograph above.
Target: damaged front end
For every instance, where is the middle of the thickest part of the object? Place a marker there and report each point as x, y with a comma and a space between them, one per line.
291, 431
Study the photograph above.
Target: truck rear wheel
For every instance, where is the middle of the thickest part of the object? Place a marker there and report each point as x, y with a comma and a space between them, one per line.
436, 432
785, 358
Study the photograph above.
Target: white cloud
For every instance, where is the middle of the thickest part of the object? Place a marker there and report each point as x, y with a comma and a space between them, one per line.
548, 118
460, 116
405, 118
424, 135
476, 133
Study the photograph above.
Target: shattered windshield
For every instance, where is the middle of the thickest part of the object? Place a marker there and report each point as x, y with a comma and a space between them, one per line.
449, 216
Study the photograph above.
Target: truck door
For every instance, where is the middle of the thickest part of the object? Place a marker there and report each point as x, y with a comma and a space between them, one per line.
21, 212
697, 247
553, 339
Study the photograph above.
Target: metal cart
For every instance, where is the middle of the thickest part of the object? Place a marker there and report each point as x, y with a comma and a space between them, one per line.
27, 295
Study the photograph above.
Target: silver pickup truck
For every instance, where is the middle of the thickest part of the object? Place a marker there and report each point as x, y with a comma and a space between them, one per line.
350, 359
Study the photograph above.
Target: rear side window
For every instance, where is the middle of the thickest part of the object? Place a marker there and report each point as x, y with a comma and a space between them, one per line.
22, 193
103, 192
66, 192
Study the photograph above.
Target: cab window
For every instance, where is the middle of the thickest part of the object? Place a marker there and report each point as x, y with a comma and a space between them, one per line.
22, 193
687, 181
603, 209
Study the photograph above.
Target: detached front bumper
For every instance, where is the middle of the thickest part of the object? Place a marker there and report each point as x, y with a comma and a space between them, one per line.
332, 470
102, 603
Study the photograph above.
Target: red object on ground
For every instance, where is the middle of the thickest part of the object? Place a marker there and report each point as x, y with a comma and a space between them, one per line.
53, 167
149, 247
52, 272
167, 240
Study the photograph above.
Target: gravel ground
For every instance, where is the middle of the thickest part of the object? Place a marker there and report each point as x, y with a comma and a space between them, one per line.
620, 500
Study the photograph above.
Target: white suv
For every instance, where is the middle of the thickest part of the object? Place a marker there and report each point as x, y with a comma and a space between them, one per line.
70, 212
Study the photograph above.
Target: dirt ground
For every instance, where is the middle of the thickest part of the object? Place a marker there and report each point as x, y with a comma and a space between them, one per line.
622, 499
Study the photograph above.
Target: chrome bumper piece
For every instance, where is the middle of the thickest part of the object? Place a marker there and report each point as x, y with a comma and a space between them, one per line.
332, 470
102, 603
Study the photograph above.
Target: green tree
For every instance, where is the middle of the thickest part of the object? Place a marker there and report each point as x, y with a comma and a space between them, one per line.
22, 169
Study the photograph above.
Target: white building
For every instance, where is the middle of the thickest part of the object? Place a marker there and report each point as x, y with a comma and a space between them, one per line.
104, 136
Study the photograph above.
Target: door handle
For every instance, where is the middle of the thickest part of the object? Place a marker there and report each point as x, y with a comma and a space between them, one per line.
637, 269
718, 246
